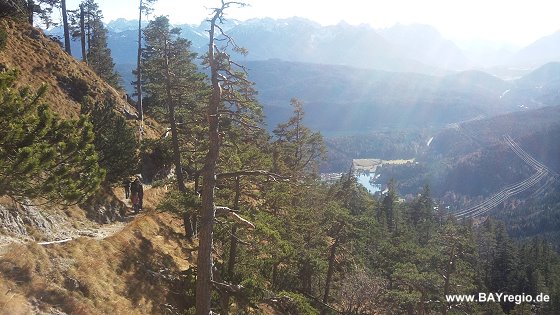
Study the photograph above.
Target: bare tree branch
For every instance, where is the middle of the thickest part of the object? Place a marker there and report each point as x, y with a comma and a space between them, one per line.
228, 287
223, 211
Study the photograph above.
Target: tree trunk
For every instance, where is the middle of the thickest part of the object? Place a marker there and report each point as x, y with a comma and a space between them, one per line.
447, 280
204, 261
175, 144
88, 31
232, 247
65, 26
233, 237
139, 69
83, 34
306, 273
30, 11
275, 275
422, 304
196, 182
330, 272
232, 251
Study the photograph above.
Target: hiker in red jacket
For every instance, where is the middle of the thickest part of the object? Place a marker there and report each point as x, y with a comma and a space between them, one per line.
137, 194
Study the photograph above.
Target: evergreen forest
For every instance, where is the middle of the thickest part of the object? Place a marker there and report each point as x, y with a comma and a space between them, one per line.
258, 231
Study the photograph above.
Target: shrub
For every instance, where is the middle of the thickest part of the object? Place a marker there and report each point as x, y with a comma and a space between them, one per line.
115, 141
40, 154
3, 39
157, 159
76, 87
295, 303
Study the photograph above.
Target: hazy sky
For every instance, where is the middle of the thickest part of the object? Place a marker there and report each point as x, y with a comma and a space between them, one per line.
516, 21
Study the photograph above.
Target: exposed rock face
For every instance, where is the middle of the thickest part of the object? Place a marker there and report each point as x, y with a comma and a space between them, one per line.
105, 208
11, 222
106, 212
25, 221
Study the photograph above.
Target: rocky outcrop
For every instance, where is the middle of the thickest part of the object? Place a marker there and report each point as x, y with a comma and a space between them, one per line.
11, 222
28, 222
105, 207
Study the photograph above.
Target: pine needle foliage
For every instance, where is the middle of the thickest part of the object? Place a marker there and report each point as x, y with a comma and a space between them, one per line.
115, 141
42, 156
3, 38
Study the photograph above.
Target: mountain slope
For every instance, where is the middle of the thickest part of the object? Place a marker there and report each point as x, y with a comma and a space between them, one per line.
59, 260
339, 98
470, 136
538, 88
40, 60
544, 50
426, 45
297, 39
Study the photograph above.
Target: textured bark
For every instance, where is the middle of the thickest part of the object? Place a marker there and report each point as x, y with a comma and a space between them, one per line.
204, 261
30, 11
83, 34
65, 27
330, 270
233, 237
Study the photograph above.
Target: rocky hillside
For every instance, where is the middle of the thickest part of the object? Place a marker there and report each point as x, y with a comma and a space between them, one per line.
83, 259
40, 60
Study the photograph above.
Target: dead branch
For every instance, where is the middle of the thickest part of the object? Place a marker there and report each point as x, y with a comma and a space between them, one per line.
55, 242
228, 287
225, 211
236, 217
240, 241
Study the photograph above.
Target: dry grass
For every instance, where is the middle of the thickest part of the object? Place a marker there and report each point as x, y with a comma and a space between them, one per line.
40, 60
137, 271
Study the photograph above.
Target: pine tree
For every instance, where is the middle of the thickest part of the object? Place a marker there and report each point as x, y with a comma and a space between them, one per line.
230, 94
42, 156
144, 7
115, 140
174, 90
80, 26
387, 209
42, 8
298, 151
505, 267
65, 27
98, 54
454, 259
421, 215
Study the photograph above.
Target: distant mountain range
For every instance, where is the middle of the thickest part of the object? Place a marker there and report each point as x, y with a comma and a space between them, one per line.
404, 92
351, 100
541, 51
403, 48
363, 78
426, 45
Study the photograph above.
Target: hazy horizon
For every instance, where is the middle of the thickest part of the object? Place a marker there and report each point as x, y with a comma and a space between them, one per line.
519, 23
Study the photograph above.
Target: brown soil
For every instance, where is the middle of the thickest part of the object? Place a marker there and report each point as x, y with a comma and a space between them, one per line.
40, 60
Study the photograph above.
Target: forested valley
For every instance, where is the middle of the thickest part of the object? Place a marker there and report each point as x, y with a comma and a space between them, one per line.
236, 219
